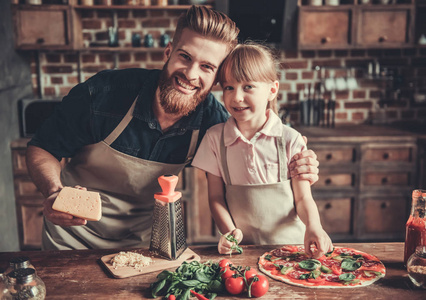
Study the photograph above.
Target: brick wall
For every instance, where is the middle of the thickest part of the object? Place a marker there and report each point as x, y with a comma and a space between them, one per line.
372, 102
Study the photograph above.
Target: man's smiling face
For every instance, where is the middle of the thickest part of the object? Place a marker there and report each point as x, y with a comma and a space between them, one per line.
190, 72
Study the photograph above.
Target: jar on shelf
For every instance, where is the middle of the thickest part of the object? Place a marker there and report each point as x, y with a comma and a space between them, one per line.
25, 284
416, 267
415, 229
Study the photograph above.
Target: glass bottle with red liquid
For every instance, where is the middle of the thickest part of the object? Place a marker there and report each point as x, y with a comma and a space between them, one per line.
415, 229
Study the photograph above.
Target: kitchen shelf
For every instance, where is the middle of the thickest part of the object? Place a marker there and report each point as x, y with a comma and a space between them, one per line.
131, 7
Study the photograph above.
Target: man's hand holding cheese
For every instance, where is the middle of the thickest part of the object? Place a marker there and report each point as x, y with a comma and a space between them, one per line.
73, 207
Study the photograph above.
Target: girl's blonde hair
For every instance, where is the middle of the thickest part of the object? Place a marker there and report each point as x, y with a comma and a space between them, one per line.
209, 23
250, 62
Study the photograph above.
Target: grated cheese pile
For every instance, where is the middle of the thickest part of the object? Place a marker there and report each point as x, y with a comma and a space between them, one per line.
130, 259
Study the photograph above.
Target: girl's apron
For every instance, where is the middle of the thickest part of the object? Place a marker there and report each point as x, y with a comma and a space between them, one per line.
265, 213
127, 186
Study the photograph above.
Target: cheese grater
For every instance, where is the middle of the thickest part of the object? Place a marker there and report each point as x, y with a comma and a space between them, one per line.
168, 233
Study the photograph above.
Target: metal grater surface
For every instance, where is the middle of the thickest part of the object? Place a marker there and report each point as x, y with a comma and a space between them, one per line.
168, 232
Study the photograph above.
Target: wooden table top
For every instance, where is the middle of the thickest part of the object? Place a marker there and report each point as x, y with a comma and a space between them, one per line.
79, 274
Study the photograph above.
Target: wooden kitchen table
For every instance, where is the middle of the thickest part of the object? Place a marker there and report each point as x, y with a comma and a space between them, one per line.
79, 274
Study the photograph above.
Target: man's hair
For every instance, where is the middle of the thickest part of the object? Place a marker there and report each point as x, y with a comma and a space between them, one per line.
209, 23
250, 62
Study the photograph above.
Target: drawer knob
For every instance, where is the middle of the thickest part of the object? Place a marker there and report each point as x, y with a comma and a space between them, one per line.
40, 41
384, 205
328, 181
384, 180
325, 40
385, 155
327, 206
383, 39
40, 213
329, 156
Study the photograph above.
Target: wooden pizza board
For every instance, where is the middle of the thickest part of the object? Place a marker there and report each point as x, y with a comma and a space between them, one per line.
159, 263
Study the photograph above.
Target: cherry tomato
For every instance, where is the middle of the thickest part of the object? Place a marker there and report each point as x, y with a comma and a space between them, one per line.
224, 263
234, 285
250, 272
259, 285
227, 272
172, 297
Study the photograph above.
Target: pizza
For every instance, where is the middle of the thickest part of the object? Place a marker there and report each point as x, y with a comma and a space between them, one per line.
340, 268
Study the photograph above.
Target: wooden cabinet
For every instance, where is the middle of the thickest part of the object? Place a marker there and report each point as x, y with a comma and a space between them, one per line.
325, 28
45, 27
352, 25
59, 27
28, 200
366, 175
385, 26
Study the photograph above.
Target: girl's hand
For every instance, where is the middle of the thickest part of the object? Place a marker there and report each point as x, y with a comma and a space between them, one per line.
225, 246
317, 242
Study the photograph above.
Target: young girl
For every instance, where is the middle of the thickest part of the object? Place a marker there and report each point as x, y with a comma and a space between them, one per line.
246, 160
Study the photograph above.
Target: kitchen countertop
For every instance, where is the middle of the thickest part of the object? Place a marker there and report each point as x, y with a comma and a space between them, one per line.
357, 133
79, 274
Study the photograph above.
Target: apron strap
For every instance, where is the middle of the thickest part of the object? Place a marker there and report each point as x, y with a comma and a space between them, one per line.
192, 146
122, 125
223, 153
282, 158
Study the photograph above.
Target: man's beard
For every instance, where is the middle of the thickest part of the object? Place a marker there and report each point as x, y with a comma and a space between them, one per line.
173, 101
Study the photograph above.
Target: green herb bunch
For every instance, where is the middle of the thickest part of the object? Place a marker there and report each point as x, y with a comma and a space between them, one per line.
234, 246
203, 278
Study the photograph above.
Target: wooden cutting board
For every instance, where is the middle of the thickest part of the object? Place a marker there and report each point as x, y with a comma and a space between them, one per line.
159, 263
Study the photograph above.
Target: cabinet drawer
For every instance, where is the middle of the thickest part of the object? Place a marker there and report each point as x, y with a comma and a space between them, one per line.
385, 215
19, 162
324, 29
384, 27
32, 216
336, 215
25, 187
335, 180
331, 155
401, 179
34, 30
388, 154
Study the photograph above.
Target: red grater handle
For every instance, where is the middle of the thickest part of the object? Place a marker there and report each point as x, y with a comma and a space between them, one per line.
168, 184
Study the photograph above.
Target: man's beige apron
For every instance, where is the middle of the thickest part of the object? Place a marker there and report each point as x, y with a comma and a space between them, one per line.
127, 185
265, 213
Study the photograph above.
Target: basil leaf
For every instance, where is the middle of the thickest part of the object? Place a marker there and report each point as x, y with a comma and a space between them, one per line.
309, 264
186, 295
203, 277
282, 268
268, 257
211, 296
328, 254
158, 287
215, 286
347, 277
190, 283
314, 274
349, 264
164, 274
324, 269
351, 282
304, 276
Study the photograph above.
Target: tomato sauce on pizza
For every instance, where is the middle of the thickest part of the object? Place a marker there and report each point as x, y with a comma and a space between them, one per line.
340, 268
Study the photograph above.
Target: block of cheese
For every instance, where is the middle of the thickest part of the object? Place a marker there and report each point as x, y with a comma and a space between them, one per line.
79, 203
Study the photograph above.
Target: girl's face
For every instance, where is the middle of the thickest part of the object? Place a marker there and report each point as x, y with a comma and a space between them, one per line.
247, 101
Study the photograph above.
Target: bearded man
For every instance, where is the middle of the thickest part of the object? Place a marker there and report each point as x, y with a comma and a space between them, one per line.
123, 129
